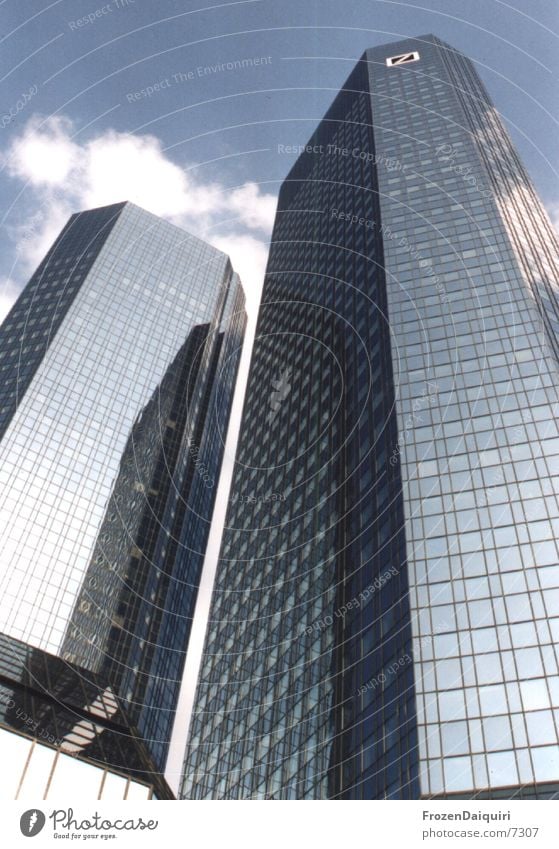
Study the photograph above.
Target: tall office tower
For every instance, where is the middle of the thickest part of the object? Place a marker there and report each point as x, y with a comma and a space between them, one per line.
133, 614
385, 608
119, 361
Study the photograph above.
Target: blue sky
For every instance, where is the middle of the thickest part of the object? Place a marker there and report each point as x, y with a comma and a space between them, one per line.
202, 147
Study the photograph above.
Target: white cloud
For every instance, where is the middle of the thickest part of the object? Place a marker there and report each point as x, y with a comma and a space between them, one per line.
63, 175
135, 168
255, 209
553, 212
249, 256
44, 155
9, 290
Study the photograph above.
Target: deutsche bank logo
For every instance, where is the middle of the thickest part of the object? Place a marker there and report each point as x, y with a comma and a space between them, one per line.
402, 59
32, 822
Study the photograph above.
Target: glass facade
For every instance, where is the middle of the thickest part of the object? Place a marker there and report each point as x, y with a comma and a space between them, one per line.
471, 261
62, 727
32, 324
384, 616
112, 450
133, 614
149, 284
312, 573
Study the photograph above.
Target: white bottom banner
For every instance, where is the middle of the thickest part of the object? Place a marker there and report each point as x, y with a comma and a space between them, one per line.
269, 824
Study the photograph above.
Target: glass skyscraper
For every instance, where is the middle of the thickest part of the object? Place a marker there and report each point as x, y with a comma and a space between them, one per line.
118, 366
385, 613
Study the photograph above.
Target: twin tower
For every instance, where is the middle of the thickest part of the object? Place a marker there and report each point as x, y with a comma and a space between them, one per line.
385, 610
